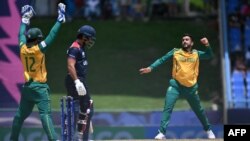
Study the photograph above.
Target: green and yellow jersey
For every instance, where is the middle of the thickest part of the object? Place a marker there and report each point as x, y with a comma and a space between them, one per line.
185, 64
33, 61
33, 56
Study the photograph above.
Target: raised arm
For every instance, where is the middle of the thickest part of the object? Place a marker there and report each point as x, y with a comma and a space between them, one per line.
44, 45
157, 63
208, 53
22, 38
27, 13
54, 30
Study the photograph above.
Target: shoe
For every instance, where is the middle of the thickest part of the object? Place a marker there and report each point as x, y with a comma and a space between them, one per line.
160, 136
210, 134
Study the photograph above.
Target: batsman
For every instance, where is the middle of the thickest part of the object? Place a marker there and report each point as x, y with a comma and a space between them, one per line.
184, 81
35, 90
75, 80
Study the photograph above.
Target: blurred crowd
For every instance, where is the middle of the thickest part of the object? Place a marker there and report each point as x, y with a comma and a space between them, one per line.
120, 9
238, 14
239, 33
130, 9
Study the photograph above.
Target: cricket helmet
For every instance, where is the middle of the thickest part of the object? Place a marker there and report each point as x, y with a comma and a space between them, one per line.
34, 33
88, 32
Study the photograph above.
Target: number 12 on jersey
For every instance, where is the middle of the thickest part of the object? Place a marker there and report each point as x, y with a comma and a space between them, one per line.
30, 61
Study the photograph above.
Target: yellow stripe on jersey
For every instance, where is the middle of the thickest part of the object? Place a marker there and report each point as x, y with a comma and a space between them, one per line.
185, 67
33, 61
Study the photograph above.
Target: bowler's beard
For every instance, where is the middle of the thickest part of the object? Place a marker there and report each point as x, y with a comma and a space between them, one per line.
186, 47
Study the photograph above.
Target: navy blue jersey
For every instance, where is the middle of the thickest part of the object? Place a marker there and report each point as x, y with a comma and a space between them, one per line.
77, 52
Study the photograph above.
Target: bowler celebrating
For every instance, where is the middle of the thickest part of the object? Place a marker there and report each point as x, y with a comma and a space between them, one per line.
184, 81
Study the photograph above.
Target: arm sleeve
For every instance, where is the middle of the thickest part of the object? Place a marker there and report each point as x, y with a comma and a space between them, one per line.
48, 40
161, 60
72, 52
207, 54
22, 38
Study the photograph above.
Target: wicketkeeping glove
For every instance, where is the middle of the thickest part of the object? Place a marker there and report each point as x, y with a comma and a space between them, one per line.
27, 13
61, 13
80, 87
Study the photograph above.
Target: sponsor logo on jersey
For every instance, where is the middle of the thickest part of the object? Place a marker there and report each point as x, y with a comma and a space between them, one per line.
85, 63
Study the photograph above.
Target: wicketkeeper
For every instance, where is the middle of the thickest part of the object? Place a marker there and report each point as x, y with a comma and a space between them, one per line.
35, 90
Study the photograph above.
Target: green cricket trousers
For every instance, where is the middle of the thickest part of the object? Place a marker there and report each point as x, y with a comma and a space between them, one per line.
32, 94
174, 90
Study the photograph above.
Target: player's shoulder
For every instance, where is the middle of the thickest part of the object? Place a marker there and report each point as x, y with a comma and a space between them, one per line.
22, 45
195, 51
75, 45
173, 51
177, 49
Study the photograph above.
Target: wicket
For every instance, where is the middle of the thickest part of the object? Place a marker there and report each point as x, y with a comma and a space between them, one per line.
69, 110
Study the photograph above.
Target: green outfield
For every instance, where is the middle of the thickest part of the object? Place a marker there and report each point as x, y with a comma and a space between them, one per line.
118, 103
121, 49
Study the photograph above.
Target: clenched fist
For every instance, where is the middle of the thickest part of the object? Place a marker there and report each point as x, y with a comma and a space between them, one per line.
204, 41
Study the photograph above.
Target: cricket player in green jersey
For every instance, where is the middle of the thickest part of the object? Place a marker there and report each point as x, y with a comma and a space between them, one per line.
35, 90
184, 81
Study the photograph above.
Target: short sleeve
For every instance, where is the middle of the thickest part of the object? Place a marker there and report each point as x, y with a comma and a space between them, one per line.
72, 52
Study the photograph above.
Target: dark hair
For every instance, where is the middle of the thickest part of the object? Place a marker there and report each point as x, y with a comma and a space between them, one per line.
31, 40
189, 35
79, 36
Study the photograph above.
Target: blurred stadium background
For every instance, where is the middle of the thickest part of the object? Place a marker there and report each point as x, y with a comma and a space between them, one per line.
130, 36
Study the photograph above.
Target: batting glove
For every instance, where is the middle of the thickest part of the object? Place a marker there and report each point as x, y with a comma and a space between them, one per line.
80, 87
27, 14
61, 13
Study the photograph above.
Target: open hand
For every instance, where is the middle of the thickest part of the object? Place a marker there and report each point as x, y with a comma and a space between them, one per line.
145, 70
